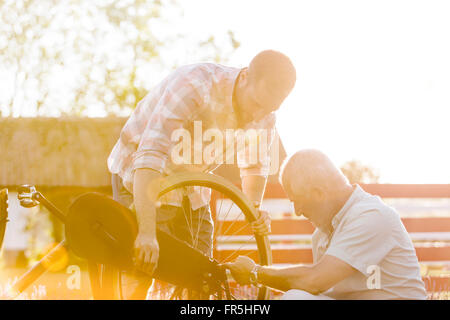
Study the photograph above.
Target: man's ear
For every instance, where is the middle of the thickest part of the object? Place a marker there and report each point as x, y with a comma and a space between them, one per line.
243, 77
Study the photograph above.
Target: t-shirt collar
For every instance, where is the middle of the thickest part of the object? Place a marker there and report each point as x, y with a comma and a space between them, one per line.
356, 194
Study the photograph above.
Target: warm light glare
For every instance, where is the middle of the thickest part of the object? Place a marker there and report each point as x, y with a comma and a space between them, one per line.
372, 77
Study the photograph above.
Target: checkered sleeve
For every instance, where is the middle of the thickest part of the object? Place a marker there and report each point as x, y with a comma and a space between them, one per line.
175, 107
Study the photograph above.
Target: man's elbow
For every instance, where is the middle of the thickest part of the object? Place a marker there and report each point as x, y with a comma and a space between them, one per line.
146, 183
312, 284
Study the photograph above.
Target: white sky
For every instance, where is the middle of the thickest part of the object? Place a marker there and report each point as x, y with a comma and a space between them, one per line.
373, 76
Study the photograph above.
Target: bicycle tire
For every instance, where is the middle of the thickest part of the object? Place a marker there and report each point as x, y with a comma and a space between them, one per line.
3, 214
108, 273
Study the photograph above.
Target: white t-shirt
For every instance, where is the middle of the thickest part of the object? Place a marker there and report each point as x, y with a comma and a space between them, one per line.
369, 236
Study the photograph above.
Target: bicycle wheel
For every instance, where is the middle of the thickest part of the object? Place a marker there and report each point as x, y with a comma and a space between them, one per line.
3, 214
232, 214
104, 281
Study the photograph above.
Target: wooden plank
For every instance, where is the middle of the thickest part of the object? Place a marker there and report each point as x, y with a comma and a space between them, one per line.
438, 224
303, 226
294, 238
408, 190
278, 256
275, 190
285, 226
304, 255
433, 253
437, 284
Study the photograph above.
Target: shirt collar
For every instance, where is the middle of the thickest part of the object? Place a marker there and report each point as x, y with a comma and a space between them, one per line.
231, 97
230, 108
355, 196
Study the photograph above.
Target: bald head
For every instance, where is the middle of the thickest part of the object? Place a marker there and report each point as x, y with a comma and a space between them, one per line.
308, 169
273, 75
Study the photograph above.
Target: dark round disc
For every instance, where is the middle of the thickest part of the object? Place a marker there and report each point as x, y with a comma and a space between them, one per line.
100, 229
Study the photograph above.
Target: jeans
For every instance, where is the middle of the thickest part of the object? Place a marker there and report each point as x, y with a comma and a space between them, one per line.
193, 226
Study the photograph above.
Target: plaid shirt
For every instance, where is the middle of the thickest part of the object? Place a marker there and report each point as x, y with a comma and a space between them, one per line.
200, 92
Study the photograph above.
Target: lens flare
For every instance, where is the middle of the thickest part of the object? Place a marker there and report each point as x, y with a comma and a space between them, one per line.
57, 258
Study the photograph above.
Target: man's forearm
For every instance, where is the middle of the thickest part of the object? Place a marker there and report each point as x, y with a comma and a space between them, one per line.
284, 279
253, 187
145, 192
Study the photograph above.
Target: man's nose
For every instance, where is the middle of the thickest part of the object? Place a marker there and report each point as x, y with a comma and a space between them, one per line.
299, 212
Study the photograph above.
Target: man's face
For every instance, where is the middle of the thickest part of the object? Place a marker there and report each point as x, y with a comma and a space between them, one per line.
252, 109
313, 207
256, 100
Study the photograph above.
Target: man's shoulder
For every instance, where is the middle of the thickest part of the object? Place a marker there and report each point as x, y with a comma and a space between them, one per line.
371, 211
367, 206
201, 76
203, 69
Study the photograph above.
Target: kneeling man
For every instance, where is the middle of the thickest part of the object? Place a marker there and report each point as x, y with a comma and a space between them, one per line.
361, 249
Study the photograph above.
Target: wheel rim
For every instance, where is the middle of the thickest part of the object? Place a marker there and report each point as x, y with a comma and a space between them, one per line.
231, 201
3, 213
232, 214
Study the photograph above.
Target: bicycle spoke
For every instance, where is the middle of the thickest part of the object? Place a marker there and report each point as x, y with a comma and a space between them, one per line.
192, 224
222, 218
231, 232
228, 212
199, 225
191, 231
232, 224
225, 289
237, 250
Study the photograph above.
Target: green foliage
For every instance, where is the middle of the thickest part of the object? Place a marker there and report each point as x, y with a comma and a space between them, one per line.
357, 172
91, 57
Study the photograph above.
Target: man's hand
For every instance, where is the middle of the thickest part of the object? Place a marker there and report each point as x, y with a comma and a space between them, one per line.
261, 226
241, 269
146, 252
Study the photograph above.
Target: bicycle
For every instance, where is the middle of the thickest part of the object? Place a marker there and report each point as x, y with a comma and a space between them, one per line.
102, 231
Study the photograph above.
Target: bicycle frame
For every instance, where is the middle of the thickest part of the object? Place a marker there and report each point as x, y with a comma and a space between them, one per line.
29, 197
178, 263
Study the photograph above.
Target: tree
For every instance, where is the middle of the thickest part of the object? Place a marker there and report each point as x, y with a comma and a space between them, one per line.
90, 57
357, 172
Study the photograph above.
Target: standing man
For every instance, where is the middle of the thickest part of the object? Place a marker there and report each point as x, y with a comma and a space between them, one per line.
361, 249
217, 96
